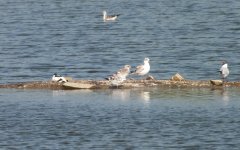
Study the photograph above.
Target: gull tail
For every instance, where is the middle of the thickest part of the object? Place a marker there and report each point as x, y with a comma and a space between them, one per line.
107, 79
62, 80
132, 72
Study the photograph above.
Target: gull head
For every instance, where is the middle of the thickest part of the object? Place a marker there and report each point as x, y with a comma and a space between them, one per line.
104, 13
224, 62
127, 66
55, 74
146, 60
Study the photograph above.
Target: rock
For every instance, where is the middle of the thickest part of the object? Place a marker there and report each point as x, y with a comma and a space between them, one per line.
216, 82
149, 77
69, 79
77, 85
177, 77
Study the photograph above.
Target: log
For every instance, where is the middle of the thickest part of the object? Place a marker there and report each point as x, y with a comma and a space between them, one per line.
103, 84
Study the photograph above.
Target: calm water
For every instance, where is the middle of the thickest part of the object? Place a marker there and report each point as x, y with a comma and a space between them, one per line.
120, 119
39, 38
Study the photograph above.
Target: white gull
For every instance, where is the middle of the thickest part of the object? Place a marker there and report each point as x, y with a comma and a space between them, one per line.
109, 18
58, 78
224, 71
142, 69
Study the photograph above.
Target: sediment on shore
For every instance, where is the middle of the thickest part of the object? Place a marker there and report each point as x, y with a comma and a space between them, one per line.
103, 84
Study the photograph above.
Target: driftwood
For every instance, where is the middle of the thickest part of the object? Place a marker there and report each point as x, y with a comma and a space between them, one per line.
103, 84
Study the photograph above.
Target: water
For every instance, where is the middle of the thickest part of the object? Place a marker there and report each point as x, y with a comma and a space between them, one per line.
39, 38
120, 119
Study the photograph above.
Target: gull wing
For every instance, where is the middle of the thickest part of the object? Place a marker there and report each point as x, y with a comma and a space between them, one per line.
139, 68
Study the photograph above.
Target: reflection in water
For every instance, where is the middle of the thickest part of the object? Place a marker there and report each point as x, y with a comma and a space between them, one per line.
223, 93
126, 94
145, 96
225, 96
58, 93
121, 115
120, 94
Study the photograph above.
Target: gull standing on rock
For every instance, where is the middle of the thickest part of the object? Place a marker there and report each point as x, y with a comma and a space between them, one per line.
109, 18
58, 78
224, 71
120, 76
142, 69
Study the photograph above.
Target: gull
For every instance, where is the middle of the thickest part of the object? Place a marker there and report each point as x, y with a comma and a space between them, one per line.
116, 79
119, 76
142, 69
109, 18
124, 72
58, 78
224, 71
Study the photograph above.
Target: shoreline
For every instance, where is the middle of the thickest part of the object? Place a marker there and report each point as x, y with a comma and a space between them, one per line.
104, 84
